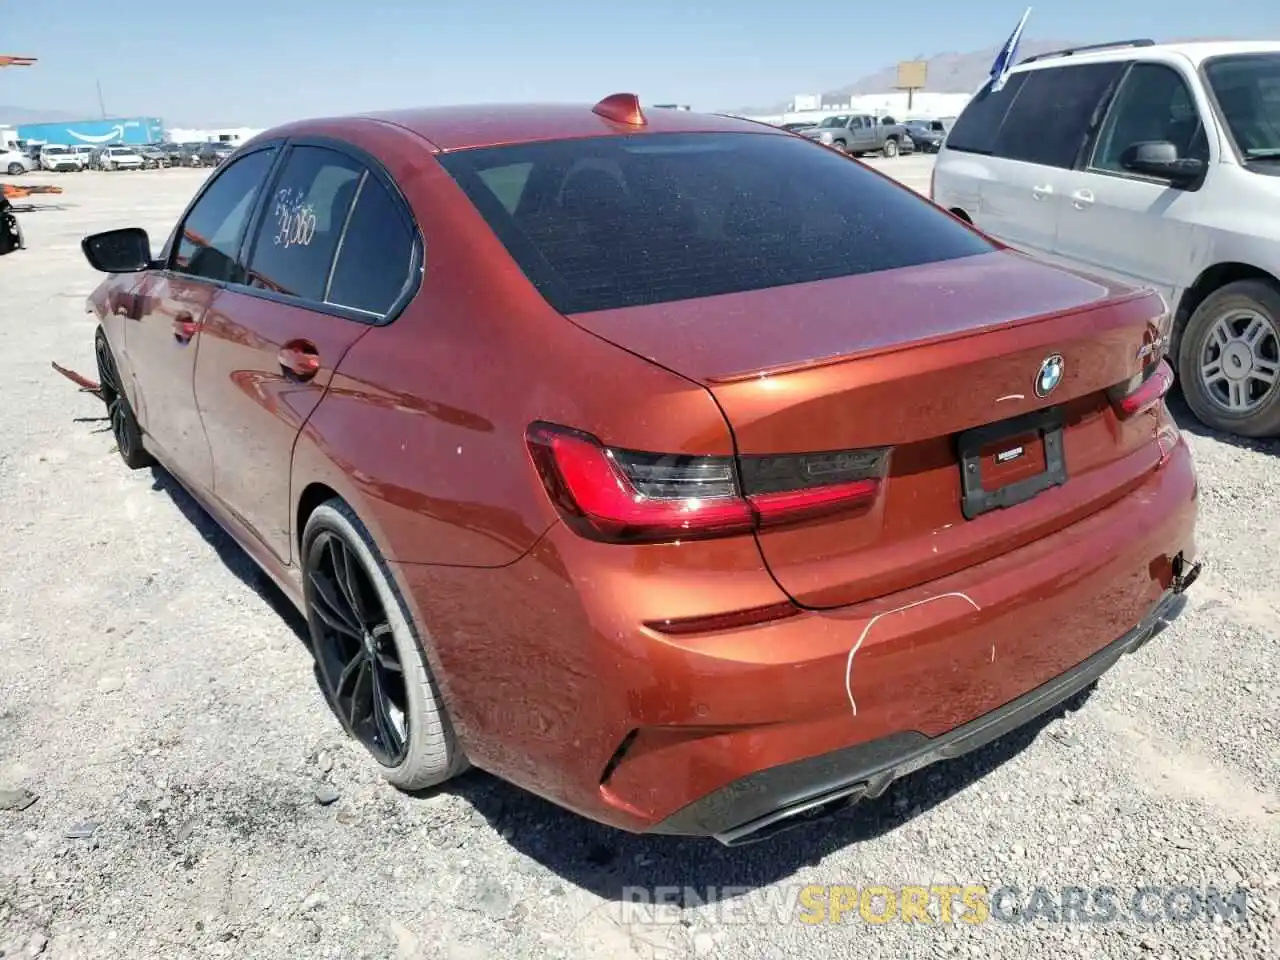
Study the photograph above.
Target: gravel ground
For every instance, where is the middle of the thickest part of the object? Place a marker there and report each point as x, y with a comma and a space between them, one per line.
194, 797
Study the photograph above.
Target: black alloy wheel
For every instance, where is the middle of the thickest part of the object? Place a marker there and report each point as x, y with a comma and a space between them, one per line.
124, 426
355, 650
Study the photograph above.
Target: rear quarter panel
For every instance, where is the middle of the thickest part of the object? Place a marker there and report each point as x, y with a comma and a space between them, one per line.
422, 428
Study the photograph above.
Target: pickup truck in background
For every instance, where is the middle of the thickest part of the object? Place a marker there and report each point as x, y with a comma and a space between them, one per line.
859, 133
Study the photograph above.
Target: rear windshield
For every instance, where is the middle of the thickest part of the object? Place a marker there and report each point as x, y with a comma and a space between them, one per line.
608, 222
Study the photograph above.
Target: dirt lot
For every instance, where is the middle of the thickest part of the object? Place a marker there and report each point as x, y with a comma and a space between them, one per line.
158, 702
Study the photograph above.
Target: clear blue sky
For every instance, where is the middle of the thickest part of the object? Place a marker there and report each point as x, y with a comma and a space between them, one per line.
266, 61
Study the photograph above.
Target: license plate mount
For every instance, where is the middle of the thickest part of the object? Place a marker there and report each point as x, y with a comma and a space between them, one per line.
1041, 430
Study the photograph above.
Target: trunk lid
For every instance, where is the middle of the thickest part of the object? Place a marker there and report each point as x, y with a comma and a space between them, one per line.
914, 359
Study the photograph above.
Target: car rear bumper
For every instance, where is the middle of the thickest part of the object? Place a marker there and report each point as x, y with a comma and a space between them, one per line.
760, 804
555, 684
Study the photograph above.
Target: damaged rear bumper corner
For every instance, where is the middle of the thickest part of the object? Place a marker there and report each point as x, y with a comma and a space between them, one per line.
769, 801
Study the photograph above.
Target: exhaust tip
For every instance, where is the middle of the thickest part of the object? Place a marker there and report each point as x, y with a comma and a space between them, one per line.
819, 808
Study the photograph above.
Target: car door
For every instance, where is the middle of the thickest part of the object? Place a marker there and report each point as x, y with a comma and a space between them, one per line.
1129, 226
862, 136
164, 314
1035, 150
269, 347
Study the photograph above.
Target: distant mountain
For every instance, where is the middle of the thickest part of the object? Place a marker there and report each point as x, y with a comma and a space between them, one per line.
12, 116
947, 72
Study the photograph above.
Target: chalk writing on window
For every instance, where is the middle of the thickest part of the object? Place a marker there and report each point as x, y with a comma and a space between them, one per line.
295, 219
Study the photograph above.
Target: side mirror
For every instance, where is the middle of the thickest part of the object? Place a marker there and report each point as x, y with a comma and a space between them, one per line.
127, 250
1159, 158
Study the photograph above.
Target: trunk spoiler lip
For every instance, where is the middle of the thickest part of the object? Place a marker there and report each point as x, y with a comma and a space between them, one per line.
817, 364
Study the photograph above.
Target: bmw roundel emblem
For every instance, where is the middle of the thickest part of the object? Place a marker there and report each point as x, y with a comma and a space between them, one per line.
1050, 375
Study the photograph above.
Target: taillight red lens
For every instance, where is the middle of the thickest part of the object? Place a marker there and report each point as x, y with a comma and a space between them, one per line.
625, 496
1142, 392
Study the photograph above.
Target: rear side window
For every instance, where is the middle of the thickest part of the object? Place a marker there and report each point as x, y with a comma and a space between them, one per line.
1053, 113
975, 129
376, 254
608, 222
304, 218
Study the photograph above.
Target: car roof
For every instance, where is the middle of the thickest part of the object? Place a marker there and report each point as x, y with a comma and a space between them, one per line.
466, 127
1194, 52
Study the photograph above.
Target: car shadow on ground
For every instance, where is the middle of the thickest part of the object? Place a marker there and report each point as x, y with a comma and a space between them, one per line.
1189, 423
615, 865
231, 554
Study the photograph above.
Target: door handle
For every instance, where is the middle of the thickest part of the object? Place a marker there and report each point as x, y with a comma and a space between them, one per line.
184, 328
1039, 193
300, 359
1081, 199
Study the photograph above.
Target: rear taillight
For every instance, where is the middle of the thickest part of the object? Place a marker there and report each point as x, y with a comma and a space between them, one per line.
1142, 392
624, 496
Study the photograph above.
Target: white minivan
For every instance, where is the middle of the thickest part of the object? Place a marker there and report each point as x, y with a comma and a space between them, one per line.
1158, 165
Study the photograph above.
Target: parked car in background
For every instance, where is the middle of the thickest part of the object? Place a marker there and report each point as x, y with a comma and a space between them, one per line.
83, 152
858, 134
927, 135
190, 154
797, 126
174, 154
497, 397
121, 158
154, 156
1159, 165
212, 154
15, 162
60, 158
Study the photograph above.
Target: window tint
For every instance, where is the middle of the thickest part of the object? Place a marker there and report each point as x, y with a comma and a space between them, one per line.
376, 253
1247, 87
507, 183
628, 220
1153, 103
1054, 112
297, 239
209, 241
975, 129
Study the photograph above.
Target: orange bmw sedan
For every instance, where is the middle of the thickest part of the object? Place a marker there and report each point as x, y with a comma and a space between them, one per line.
678, 469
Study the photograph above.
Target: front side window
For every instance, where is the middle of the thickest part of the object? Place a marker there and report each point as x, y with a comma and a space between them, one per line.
305, 216
1055, 110
1247, 88
618, 221
209, 239
1153, 103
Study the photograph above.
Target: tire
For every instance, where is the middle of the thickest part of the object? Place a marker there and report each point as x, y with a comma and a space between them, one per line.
839, 146
1246, 314
890, 149
124, 425
16, 170
430, 754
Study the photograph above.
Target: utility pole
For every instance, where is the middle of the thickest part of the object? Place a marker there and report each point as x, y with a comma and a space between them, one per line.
101, 106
